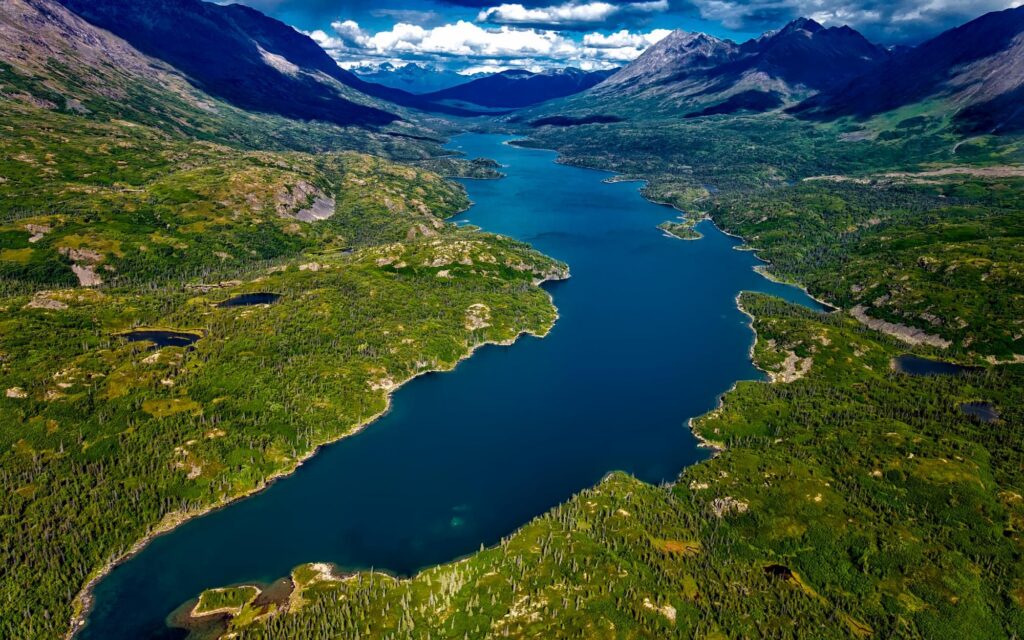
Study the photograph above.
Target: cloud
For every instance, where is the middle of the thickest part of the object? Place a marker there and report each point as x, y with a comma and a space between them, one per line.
477, 46
573, 15
882, 20
622, 46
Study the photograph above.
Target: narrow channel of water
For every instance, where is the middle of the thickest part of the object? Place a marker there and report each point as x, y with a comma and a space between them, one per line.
649, 336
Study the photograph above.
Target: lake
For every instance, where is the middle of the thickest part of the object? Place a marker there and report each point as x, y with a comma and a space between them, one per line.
649, 336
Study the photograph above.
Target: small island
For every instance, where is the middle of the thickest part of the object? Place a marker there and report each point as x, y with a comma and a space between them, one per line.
230, 600
683, 230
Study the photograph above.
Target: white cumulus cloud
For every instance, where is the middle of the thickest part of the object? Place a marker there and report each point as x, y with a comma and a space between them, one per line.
570, 14
493, 47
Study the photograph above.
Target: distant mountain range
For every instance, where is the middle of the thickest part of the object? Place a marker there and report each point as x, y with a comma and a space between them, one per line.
974, 73
518, 88
414, 78
257, 63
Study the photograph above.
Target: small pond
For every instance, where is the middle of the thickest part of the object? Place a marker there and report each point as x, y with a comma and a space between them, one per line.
984, 411
917, 366
161, 338
250, 299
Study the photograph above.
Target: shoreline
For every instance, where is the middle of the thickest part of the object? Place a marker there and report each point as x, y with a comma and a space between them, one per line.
83, 601
615, 178
764, 271
746, 246
703, 442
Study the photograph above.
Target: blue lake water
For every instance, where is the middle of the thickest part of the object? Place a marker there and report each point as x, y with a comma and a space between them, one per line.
649, 336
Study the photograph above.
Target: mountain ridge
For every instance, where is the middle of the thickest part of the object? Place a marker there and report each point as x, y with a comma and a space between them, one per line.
697, 70
977, 67
414, 78
237, 54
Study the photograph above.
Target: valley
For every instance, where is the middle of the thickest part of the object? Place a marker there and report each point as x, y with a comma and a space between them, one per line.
527, 417
223, 255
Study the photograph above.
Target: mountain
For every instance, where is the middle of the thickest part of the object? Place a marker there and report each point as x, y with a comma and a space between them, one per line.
806, 54
697, 70
414, 78
518, 88
237, 54
678, 56
251, 60
977, 69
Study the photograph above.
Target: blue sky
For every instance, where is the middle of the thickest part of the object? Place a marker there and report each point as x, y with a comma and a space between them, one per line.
474, 35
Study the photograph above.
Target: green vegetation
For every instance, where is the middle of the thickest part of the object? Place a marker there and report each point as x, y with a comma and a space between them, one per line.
103, 439
942, 254
108, 225
897, 216
848, 499
686, 162
450, 167
133, 206
851, 501
683, 230
230, 599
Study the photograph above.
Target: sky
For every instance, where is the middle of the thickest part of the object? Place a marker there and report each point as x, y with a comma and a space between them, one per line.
489, 35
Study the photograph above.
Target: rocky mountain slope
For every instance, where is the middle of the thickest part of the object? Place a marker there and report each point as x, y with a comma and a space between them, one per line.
236, 54
695, 69
250, 60
976, 70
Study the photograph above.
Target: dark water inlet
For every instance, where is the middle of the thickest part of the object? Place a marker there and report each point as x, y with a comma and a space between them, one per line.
649, 335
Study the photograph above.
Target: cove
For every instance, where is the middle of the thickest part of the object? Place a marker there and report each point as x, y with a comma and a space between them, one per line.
649, 335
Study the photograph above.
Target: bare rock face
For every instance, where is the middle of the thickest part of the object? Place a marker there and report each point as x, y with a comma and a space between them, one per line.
84, 266
321, 209
304, 201
681, 53
478, 316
